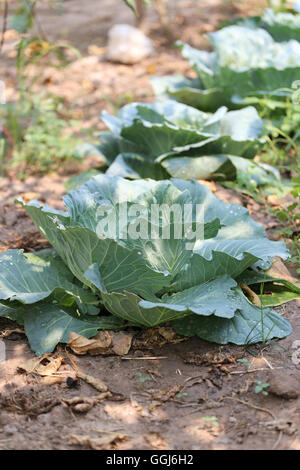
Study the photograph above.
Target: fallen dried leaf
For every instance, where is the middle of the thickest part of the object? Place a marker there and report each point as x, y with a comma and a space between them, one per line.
29, 196
81, 345
155, 338
279, 270
31, 400
121, 343
168, 333
104, 342
46, 365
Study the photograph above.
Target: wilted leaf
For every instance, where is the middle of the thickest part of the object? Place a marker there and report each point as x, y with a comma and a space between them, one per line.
46, 365
121, 343
81, 345
103, 343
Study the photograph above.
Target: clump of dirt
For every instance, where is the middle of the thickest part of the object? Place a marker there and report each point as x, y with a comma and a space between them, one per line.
284, 384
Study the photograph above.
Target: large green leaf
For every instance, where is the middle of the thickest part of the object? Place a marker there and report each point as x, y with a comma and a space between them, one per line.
202, 299
13, 311
282, 26
30, 279
48, 324
134, 166
190, 92
249, 325
126, 305
159, 129
80, 248
247, 174
217, 297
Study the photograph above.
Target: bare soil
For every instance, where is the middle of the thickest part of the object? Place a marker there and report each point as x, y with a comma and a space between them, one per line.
194, 394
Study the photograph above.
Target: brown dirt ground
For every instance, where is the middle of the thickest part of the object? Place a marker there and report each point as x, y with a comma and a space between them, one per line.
197, 388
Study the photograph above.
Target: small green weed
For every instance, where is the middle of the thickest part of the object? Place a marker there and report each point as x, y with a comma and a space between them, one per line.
260, 387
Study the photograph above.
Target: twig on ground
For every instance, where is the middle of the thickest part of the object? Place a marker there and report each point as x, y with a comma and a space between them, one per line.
265, 410
143, 358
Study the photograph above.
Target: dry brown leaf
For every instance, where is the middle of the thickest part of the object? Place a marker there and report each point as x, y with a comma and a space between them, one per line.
279, 270
81, 345
121, 343
104, 342
46, 365
29, 196
155, 440
108, 441
84, 404
273, 200
168, 333
30, 365
155, 338
93, 381
254, 298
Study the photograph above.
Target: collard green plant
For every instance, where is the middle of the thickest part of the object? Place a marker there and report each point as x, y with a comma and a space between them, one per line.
109, 270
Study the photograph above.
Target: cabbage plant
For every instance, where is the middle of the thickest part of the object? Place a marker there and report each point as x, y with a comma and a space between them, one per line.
281, 25
164, 139
140, 254
244, 62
